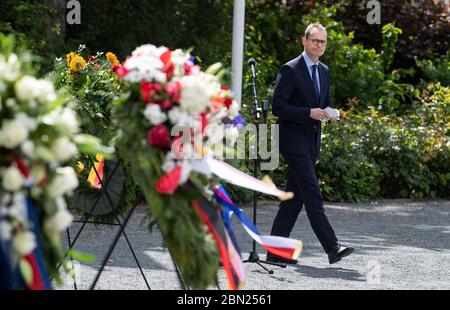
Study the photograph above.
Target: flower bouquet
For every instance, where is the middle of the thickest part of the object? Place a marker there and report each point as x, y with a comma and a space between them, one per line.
39, 137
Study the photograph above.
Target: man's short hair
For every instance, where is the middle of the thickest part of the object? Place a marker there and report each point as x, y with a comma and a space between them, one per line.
312, 26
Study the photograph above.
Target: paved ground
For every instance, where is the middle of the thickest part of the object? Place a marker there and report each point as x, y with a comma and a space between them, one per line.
399, 245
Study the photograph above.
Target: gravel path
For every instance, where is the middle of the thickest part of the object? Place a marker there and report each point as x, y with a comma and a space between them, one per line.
399, 245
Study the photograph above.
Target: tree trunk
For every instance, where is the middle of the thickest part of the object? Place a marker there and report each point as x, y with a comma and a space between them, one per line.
58, 18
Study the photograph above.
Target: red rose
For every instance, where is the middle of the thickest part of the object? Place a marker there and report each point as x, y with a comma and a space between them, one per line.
168, 183
148, 90
159, 136
166, 105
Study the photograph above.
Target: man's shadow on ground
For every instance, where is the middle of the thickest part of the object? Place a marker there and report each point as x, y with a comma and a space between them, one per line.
330, 272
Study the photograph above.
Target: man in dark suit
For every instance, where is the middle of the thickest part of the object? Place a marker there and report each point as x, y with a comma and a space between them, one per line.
301, 94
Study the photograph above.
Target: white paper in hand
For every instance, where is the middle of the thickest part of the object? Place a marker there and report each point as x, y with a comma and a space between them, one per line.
332, 112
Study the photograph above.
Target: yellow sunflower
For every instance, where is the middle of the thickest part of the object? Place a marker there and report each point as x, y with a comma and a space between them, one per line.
112, 59
69, 57
77, 64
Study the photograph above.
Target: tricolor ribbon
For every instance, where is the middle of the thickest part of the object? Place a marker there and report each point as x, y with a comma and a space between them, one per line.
280, 246
231, 260
10, 275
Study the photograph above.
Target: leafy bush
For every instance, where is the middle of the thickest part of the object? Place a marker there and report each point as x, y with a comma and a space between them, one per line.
368, 154
345, 172
436, 69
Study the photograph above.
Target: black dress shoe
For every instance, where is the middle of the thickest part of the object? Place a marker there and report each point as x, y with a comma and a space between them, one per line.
337, 255
280, 260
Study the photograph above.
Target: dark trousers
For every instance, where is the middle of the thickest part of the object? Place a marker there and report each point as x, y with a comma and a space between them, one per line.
302, 181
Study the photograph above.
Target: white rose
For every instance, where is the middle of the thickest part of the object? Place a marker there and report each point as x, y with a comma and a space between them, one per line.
13, 133
12, 179
29, 122
154, 114
144, 68
27, 147
24, 242
17, 206
65, 119
68, 121
45, 91
149, 50
64, 182
195, 94
9, 69
63, 149
10, 103
26, 89
61, 219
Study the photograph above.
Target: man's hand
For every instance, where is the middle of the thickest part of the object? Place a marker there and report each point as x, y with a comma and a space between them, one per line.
319, 114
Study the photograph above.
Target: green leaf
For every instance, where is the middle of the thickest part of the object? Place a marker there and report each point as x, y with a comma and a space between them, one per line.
92, 145
58, 102
214, 68
26, 271
81, 256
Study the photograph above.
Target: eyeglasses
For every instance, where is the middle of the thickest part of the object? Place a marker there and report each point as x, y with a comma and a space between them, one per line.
317, 42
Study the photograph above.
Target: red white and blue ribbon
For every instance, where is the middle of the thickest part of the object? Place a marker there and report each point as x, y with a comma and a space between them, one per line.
231, 260
10, 275
280, 246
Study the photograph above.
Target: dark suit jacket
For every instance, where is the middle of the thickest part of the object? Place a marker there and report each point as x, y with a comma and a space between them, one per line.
293, 98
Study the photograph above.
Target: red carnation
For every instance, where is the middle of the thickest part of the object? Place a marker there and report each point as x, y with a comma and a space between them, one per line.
168, 183
159, 136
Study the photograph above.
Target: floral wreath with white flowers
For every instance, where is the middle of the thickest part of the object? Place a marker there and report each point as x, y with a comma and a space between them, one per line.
39, 137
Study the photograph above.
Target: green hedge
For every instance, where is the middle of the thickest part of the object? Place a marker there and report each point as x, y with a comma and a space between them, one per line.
369, 155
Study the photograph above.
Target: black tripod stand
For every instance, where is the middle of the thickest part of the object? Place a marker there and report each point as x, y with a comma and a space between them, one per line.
120, 224
254, 257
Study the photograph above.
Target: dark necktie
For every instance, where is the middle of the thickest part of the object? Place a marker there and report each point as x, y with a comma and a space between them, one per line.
314, 79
